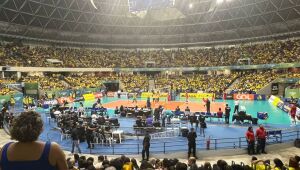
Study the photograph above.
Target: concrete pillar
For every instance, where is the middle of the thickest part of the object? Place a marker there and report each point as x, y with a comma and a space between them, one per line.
19, 75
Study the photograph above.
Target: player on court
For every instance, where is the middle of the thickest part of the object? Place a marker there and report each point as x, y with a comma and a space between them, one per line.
186, 97
134, 98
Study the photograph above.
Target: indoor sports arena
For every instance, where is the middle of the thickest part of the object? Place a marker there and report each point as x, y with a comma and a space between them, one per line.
150, 84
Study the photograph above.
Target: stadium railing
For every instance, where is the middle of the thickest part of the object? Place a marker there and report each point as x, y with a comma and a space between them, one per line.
170, 145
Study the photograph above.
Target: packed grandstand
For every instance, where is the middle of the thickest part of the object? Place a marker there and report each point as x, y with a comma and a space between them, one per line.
103, 84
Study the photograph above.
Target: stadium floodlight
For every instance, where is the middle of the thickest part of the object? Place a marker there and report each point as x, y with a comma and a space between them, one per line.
92, 1
191, 5
220, 1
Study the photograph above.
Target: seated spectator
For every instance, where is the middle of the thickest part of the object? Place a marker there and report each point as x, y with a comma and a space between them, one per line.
279, 164
181, 166
134, 164
220, 114
192, 163
259, 164
149, 121
25, 130
207, 166
293, 164
127, 165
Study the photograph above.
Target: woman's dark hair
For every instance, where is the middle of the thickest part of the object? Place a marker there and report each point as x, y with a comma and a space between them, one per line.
207, 166
249, 128
278, 163
181, 166
27, 127
76, 157
293, 162
134, 163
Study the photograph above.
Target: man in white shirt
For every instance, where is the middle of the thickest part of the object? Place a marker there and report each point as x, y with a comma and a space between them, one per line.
236, 106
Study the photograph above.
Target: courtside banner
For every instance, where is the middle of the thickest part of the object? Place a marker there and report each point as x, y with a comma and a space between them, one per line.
163, 95
88, 97
146, 95
243, 96
197, 95
62, 99
110, 94
97, 95
274, 100
229, 96
259, 97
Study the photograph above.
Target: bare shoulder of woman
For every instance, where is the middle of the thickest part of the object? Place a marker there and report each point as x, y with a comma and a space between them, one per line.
57, 157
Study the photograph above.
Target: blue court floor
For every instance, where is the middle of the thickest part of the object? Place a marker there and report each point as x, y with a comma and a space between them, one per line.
232, 136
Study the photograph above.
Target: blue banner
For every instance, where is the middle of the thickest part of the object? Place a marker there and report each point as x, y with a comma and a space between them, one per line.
259, 97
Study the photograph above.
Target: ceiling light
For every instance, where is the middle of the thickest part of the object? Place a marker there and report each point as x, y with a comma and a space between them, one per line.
220, 1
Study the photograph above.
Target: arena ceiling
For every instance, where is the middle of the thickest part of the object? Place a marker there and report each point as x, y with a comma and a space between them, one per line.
193, 22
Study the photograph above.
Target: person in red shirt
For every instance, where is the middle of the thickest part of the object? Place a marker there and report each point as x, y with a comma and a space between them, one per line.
220, 114
261, 136
293, 113
250, 140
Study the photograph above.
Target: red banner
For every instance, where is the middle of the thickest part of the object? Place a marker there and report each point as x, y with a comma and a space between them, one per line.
62, 99
98, 95
243, 96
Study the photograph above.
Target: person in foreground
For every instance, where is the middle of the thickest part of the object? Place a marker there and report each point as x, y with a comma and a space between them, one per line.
28, 153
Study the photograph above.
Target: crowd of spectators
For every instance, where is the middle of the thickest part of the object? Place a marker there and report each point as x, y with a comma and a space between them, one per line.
135, 82
125, 163
4, 90
253, 81
247, 82
260, 53
46, 82
84, 81
197, 82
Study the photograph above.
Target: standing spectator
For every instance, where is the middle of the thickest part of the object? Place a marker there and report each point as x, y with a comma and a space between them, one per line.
227, 114
261, 135
12, 103
2, 113
80, 109
119, 93
146, 146
134, 100
203, 125
293, 113
192, 142
250, 140
207, 105
23, 88
186, 97
148, 104
236, 106
28, 153
89, 135
75, 139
